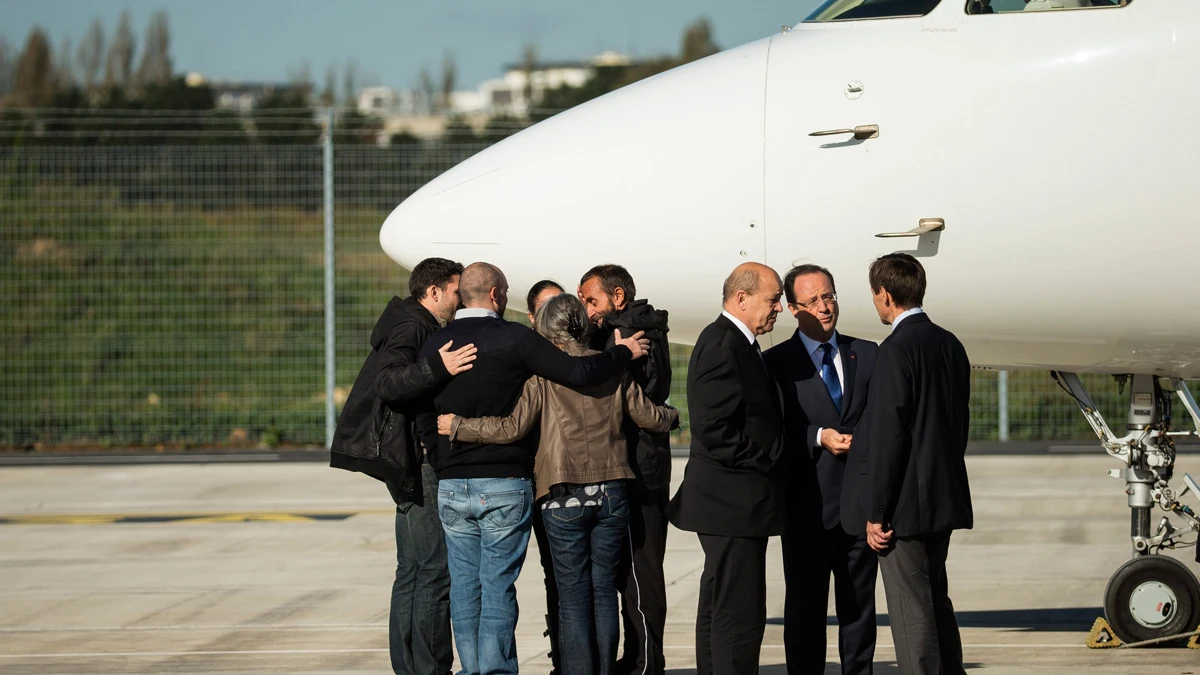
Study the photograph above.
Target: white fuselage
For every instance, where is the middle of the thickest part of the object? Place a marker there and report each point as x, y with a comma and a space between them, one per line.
1056, 146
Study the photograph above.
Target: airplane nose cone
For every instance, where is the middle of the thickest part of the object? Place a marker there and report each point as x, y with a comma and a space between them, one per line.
671, 164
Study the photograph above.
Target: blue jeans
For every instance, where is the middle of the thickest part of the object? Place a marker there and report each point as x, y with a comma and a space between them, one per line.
419, 624
487, 523
586, 543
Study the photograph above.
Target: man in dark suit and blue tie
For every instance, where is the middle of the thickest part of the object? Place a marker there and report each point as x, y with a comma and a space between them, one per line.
823, 375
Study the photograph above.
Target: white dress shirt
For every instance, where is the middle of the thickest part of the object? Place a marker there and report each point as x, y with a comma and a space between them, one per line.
818, 356
475, 313
905, 314
737, 322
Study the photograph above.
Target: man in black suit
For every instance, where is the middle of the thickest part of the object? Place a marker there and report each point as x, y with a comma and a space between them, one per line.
732, 492
823, 376
909, 486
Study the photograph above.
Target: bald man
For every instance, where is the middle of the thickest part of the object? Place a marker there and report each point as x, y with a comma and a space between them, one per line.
732, 494
485, 499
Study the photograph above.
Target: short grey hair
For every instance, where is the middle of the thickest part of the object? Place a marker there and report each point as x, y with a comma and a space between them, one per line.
562, 320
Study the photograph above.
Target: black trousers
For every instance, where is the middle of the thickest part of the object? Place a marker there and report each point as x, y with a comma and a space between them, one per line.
808, 560
543, 546
919, 609
419, 620
732, 611
641, 582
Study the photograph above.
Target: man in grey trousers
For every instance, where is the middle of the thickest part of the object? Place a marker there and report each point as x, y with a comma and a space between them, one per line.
907, 478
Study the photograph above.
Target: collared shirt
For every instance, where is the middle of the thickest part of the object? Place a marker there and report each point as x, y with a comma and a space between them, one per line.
905, 314
818, 355
475, 313
737, 322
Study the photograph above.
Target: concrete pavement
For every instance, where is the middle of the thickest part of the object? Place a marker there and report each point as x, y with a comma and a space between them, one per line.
286, 567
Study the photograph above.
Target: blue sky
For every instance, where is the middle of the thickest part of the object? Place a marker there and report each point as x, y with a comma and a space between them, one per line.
264, 39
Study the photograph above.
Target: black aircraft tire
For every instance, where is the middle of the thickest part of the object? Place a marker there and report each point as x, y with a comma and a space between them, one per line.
1160, 591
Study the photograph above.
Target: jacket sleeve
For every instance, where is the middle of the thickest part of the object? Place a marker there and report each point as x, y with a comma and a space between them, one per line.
658, 372
404, 373
714, 399
643, 411
543, 358
890, 400
509, 429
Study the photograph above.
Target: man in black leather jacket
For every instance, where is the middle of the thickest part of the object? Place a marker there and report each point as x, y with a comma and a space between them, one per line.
608, 292
376, 436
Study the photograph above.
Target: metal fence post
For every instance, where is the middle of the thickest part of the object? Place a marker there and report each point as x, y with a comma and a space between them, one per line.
330, 376
1003, 397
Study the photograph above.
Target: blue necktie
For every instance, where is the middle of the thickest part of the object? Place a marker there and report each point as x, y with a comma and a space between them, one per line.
829, 374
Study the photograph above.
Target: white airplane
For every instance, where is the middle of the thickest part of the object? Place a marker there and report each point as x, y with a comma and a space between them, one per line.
1036, 155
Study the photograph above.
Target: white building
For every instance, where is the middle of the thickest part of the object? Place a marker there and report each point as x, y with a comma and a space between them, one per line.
515, 95
519, 91
388, 102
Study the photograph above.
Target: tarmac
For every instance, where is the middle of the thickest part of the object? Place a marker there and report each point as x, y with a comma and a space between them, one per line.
275, 566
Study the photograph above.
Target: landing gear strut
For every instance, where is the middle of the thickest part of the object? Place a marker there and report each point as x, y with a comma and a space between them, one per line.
1151, 596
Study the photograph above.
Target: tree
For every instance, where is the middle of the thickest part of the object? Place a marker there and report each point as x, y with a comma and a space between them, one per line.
35, 79
64, 65
300, 77
155, 68
458, 132
90, 55
118, 65
354, 128
426, 87
500, 127
284, 118
6, 69
528, 65
328, 97
403, 139
349, 84
449, 77
698, 42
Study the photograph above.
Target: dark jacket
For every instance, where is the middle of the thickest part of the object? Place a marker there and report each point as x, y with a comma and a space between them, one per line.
733, 485
375, 432
908, 470
649, 452
508, 354
815, 485
582, 437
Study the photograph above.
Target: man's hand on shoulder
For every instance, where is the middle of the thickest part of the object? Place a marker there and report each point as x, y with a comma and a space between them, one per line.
838, 444
636, 343
459, 360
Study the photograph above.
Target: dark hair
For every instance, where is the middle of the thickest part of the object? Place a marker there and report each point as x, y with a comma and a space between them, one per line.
537, 290
611, 278
432, 272
789, 281
903, 276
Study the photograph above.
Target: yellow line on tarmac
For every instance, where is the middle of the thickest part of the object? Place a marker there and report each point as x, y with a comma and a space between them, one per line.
193, 517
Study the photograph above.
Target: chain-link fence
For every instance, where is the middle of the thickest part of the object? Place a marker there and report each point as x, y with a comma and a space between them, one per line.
160, 291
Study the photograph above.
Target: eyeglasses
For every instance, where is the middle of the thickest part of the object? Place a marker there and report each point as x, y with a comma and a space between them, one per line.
828, 298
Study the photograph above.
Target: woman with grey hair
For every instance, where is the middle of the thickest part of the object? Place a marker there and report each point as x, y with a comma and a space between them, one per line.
580, 466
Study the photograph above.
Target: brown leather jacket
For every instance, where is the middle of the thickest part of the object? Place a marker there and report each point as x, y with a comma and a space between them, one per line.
581, 439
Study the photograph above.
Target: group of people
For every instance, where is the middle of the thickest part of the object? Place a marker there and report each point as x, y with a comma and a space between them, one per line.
485, 430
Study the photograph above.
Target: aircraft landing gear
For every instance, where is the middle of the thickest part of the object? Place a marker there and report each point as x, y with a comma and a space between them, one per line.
1151, 596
